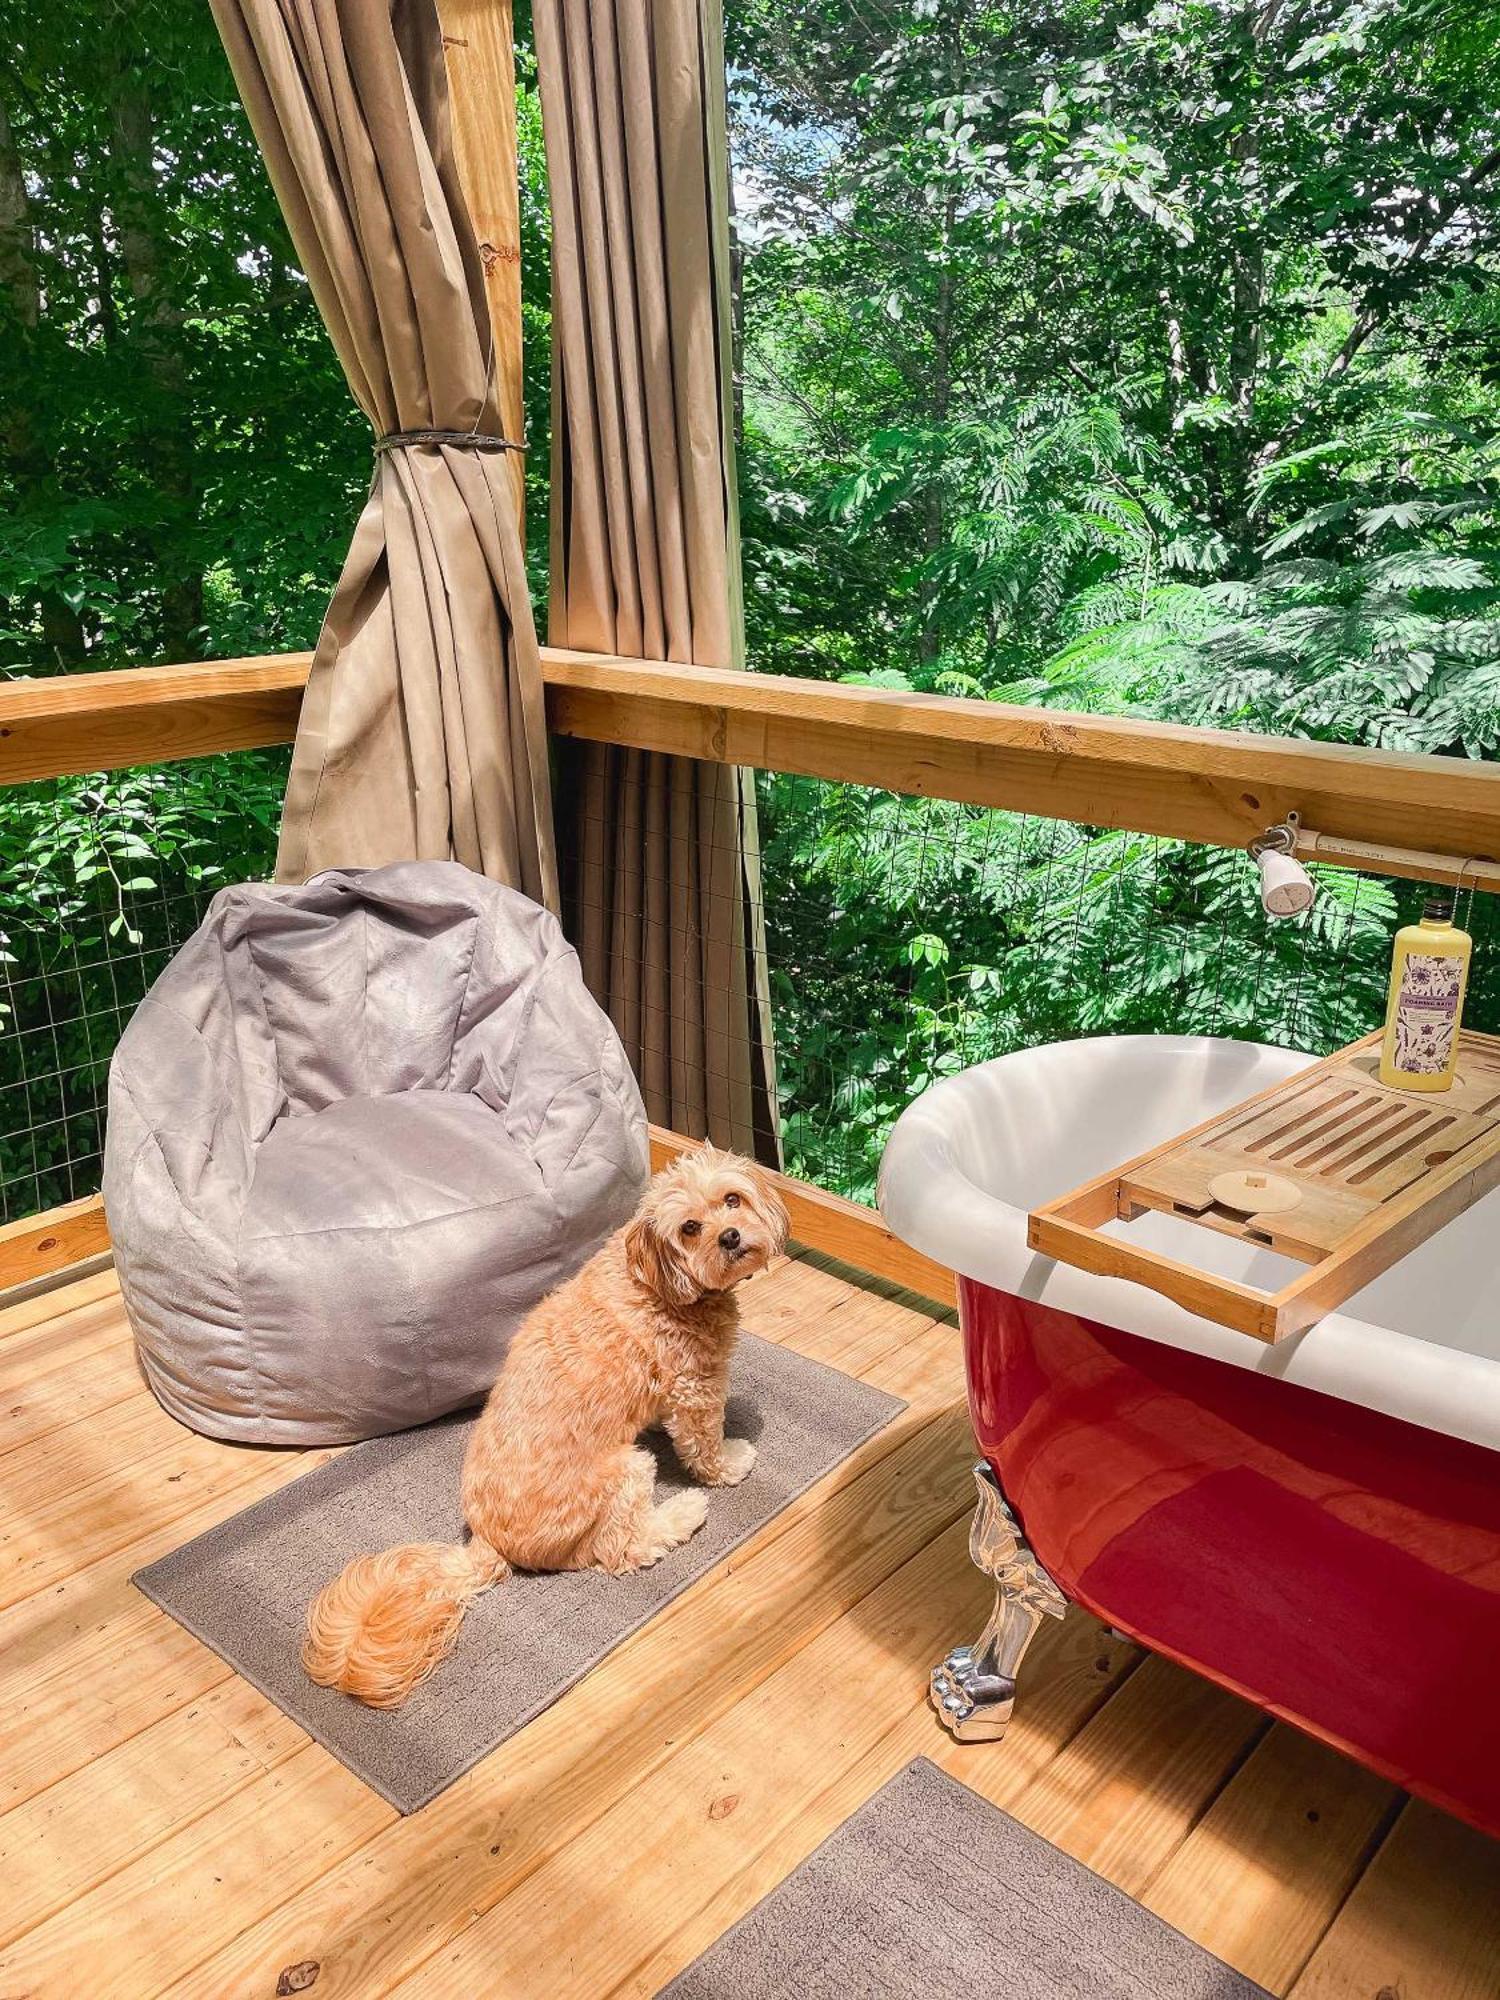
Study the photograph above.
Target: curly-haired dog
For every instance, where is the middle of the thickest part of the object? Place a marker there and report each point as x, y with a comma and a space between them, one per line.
554, 1478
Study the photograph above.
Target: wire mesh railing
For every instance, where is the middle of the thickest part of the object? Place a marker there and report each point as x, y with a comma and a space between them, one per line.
900, 940
101, 879
907, 939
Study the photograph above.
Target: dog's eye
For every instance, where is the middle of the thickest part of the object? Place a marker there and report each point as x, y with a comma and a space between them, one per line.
691, 1228
731, 1201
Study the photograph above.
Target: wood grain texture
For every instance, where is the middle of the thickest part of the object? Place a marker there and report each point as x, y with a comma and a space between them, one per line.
168, 1830
147, 715
127, 1470
54, 1305
1224, 1300
59, 1844
479, 51
782, 1813
1290, 1833
38, 1333
1217, 786
688, 1661
1423, 1922
38, 1245
94, 1629
1372, 1171
597, 1909
1128, 1790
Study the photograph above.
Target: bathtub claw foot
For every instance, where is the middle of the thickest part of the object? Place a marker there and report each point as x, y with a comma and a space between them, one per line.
974, 1689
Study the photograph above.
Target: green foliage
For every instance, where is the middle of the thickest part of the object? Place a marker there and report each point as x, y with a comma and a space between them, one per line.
181, 466
1091, 354
910, 939
1113, 358
100, 879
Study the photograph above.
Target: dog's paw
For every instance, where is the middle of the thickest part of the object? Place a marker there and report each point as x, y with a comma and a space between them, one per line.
677, 1517
736, 1459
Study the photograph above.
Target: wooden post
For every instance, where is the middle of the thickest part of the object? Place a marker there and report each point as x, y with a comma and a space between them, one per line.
479, 47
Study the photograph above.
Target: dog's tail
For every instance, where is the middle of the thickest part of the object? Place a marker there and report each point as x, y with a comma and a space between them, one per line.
377, 1631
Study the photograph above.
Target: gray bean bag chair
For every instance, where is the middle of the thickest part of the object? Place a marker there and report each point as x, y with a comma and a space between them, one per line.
356, 1130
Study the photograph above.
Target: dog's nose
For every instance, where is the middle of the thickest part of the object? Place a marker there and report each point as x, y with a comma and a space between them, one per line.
729, 1239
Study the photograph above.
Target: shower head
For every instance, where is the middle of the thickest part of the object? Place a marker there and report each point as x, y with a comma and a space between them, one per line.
1286, 888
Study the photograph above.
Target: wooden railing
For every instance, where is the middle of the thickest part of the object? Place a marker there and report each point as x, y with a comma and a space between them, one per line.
1218, 787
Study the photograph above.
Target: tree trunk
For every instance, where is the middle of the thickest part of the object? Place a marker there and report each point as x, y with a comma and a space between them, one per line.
18, 276
1238, 444
736, 312
935, 520
104, 277
27, 460
155, 329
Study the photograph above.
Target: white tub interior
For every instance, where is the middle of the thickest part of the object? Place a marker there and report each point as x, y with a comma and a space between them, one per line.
973, 1155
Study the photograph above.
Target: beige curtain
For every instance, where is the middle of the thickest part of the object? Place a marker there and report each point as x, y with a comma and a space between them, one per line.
659, 854
422, 731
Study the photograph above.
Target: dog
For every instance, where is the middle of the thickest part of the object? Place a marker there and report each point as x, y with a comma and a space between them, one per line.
554, 1478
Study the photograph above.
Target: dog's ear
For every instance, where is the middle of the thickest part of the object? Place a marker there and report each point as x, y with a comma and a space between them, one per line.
771, 1206
651, 1262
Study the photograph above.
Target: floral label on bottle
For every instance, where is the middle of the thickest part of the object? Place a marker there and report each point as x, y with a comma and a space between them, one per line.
1427, 1013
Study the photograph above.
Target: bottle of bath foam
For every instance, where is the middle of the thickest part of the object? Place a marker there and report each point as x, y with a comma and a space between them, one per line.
1429, 971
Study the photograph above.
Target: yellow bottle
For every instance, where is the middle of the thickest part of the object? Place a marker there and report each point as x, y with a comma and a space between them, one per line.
1429, 973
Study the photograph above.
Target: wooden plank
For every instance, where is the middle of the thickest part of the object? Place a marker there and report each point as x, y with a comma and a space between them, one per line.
479, 50
90, 1663
129, 1469
1128, 1790
376, 1908
766, 1775
1390, 1233
129, 1934
1373, 1171
60, 1844
1261, 1877
1216, 786
93, 1657
1071, 1671
48, 1316
1423, 1922
93, 1664
93, 1632
1231, 1304
242, 1872
847, 1230
74, 1389
38, 1245
72, 723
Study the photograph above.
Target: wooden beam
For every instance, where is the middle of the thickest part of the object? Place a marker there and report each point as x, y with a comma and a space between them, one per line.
1216, 786
843, 1229
38, 1245
846, 1230
146, 715
479, 48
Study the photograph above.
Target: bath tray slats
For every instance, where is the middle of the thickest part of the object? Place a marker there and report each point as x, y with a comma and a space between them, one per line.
1331, 1167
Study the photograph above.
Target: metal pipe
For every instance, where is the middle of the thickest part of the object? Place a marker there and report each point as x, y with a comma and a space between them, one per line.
1473, 872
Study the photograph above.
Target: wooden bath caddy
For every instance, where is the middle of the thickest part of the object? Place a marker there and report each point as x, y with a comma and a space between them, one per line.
1331, 1167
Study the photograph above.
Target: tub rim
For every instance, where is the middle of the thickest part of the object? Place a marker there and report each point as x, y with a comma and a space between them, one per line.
931, 1201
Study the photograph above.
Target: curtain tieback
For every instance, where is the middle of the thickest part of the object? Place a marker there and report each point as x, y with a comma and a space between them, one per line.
463, 440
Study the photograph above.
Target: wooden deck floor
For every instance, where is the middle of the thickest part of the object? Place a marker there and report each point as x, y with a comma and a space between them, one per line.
166, 1830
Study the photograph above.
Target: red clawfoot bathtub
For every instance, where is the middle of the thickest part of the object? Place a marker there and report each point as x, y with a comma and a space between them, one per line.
1315, 1525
